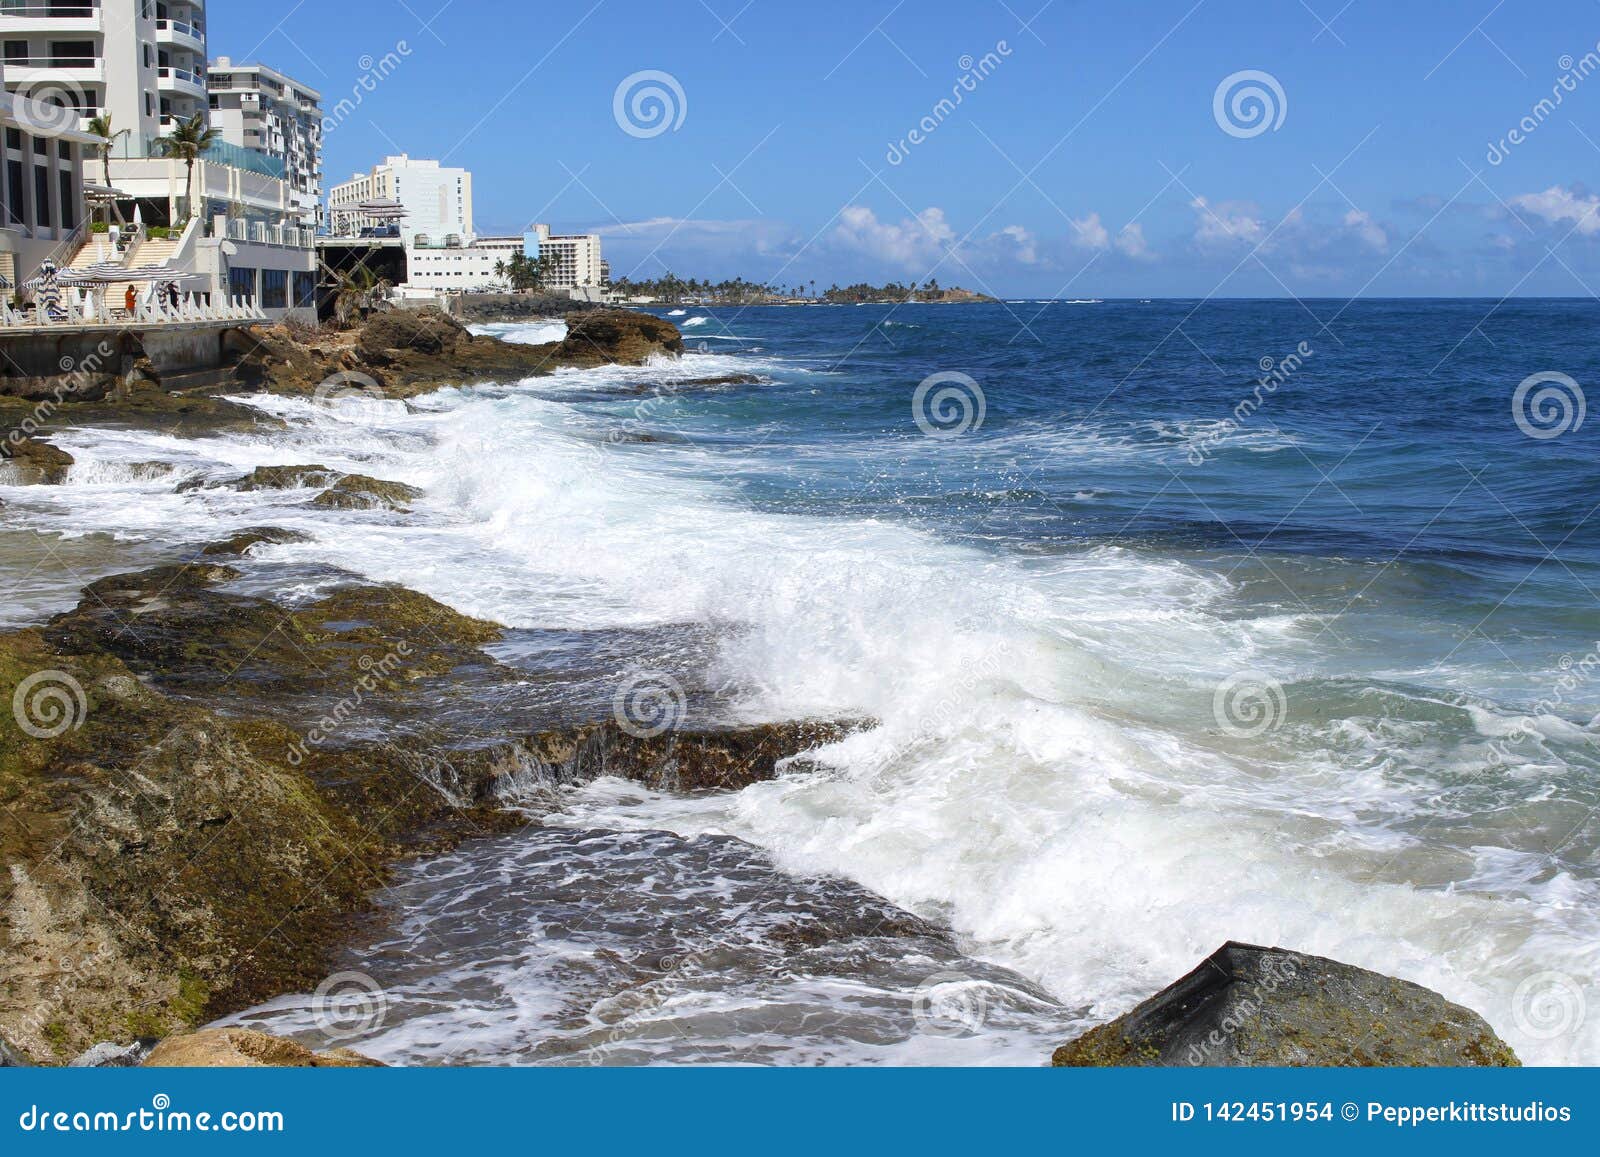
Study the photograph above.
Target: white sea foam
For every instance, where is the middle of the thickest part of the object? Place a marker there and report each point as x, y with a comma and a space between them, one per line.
1048, 775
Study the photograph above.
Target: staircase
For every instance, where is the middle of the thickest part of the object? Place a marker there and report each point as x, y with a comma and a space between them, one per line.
154, 250
96, 248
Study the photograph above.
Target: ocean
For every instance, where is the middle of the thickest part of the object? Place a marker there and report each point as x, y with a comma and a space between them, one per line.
1178, 622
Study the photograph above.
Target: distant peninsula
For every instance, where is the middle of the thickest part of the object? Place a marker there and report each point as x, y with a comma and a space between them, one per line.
673, 290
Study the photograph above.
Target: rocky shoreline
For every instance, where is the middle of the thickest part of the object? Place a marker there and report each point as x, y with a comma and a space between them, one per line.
206, 786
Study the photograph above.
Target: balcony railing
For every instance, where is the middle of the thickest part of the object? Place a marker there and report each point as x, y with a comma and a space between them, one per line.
219, 153
51, 11
193, 31
75, 62
182, 75
151, 311
261, 233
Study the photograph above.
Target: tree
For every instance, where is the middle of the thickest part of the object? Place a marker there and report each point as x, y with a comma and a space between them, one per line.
355, 292
186, 142
100, 126
524, 272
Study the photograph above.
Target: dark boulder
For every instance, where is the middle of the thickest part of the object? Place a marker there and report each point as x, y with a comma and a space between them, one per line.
1247, 1005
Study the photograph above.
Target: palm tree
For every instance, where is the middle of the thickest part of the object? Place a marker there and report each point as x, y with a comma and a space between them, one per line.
356, 291
186, 142
100, 126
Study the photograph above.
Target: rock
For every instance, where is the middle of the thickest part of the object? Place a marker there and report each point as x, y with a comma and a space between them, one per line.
1247, 1005
30, 462
359, 492
389, 335
110, 1055
10, 1058
715, 759
241, 542
488, 307
285, 478
622, 336
243, 1048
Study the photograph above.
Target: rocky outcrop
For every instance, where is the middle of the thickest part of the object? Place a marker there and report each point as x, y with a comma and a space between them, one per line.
619, 336
243, 1048
30, 461
402, 352
359, 492
477, 308
1247, 1005
203, 787
241, 543
714, 759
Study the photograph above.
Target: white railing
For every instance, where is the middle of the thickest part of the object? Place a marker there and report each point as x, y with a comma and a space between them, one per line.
188, 309
260, 233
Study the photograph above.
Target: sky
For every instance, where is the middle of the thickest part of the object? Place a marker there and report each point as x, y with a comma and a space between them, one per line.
1314, 148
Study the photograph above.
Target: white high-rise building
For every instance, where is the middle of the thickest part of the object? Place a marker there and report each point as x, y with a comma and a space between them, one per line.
141, 61
573, 259
260, 108
437, 199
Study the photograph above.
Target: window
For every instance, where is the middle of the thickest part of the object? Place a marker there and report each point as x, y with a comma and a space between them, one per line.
305, 290
241, 282
274, 289
69, 214
16, 50
41, 196
14, 198
64, 150
14, 139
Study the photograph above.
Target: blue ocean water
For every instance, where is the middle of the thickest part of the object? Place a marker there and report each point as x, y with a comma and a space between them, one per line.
1179, 622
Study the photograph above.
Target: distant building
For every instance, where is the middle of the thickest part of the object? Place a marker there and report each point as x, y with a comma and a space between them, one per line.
575, 261
434, 264
437, 199
260, 108
141, 61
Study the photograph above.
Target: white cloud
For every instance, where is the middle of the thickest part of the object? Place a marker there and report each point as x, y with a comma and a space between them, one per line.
1026, 247
1131, 242
1228, 223
1560, 206
1089, 233
913, 242
1367, 231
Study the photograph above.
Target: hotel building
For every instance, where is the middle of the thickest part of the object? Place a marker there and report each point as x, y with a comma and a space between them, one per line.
437, 199
141, 61
259, 108
41, 183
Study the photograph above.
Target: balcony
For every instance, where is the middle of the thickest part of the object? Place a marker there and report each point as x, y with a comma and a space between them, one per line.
61, 19
177, 34
178, 80
66, 72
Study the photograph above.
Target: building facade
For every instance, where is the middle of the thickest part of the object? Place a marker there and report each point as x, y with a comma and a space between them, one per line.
574, 260
41, 183
141, 61
259, 108
437, 199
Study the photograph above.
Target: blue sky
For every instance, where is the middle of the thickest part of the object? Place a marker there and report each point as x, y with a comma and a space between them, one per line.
1091, 159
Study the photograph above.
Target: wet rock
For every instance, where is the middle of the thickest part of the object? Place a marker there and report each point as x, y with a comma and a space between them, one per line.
110, 1055
236, 1048
616, 336
1247, 1005
31, 462
359, 492
10, 1058
241, 542
268, 478
721, 759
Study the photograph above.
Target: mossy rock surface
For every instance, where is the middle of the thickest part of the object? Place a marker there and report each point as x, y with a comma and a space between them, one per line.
359, 492
1248, 1005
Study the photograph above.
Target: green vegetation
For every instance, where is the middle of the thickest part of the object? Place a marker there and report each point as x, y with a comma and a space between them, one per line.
524, 272
186, 142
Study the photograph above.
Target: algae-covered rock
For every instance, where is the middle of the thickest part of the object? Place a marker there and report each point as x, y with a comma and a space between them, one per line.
1247, 1005
31, 462
241, 542
359, 492
243, 1048
153, 854
711, 759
